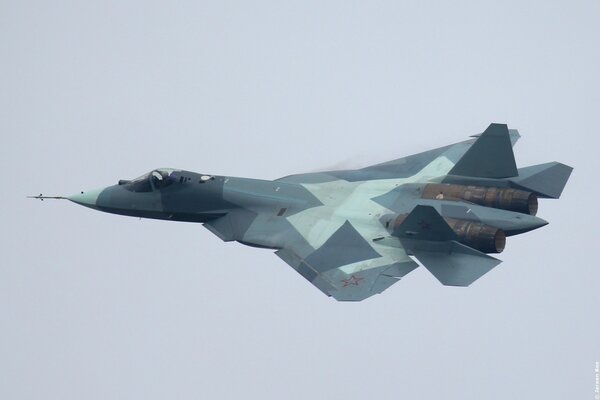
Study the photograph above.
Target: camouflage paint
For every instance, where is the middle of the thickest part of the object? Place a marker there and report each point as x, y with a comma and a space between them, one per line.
333, 227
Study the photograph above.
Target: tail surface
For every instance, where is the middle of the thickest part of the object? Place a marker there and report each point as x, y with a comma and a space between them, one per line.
546, 180
491, 156
431, 240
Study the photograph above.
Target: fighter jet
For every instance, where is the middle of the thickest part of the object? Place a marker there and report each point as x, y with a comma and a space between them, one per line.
354, 233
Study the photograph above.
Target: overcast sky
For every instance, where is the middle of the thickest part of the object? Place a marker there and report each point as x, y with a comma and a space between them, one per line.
98, 306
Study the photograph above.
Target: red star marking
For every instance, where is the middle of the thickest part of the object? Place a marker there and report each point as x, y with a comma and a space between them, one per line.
424, 225
353, 280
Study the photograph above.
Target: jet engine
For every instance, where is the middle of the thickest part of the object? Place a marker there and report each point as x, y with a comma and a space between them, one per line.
484, 238
503, 198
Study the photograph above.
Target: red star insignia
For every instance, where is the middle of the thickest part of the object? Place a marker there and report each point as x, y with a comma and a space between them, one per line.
353, 280
424, 225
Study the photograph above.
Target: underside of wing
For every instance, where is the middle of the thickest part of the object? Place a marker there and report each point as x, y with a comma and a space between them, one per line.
348, 267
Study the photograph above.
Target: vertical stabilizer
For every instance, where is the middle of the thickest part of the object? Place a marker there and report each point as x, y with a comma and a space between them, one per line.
491, 156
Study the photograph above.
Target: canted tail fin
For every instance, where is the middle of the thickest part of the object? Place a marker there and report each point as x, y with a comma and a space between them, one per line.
491, 156
427, 236
425, 223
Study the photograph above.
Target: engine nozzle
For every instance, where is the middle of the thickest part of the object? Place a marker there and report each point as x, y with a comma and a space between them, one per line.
484, 238
503, 198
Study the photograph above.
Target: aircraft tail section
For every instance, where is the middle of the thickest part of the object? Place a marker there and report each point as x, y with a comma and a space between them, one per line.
456, 264
545, 180
491, 156
427, 236
425, 223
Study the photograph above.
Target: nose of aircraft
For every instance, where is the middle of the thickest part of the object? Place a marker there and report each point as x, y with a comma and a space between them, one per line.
87, 199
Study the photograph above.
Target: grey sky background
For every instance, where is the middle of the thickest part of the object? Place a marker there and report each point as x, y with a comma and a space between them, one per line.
98, 306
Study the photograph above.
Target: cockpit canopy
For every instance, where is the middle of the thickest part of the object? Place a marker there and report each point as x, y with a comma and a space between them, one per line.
154, 180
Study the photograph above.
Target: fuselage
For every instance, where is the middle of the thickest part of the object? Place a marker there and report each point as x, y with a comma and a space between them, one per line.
179, 195
352, 233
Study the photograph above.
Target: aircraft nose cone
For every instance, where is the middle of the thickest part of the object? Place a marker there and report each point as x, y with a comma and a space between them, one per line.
87, 198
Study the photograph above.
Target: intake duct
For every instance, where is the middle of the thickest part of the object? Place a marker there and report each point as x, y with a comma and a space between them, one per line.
503, 198
484, 238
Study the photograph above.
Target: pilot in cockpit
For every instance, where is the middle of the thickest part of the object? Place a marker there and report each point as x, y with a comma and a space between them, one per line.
155, 180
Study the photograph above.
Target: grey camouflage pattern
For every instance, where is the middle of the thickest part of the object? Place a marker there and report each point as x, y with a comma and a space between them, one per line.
333, 227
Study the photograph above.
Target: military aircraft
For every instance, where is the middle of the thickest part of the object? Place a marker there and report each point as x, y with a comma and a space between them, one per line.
352, 233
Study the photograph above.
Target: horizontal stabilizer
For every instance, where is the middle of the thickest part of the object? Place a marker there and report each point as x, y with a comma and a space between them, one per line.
491, 156
459, 267
425, 223
546, 180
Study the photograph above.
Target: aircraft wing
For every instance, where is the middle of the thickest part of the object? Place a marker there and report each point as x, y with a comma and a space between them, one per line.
334, 245
402, 167
349, 267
